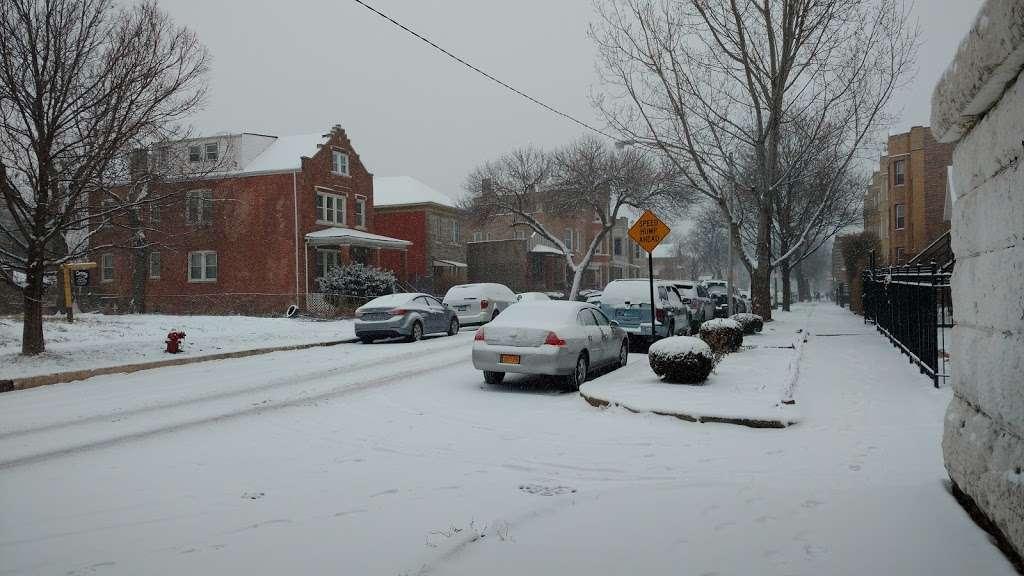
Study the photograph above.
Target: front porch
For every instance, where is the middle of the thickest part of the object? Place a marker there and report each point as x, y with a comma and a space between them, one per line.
334, 247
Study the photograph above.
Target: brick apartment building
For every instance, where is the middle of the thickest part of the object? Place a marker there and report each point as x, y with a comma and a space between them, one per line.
409, 209
905, 203
256, 231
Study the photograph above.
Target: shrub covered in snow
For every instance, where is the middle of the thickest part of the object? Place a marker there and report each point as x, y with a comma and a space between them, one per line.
357, 280
722, 335
681, 359
750, 322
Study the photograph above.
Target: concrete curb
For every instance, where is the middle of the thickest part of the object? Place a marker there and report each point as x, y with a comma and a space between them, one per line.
750, 423
71, 376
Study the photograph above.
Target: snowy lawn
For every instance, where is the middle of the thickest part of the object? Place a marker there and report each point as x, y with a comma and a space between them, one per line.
97, 340
397, 459
748, 385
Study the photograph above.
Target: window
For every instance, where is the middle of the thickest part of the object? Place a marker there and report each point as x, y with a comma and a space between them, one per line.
195, 153
579, 241
202, 266
154, 213
327, 260
899, 172
567, 240
586, 318
901, 217
330, 208
617, 246
456, 232
520, 234
478, 236
900, 255
199, 207
360, 212
339, 162
107, 267
212, 151
601, 246
154, 265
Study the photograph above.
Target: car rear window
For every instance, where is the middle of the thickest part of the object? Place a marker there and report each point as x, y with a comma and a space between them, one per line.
537, 314
617, 293
390, 300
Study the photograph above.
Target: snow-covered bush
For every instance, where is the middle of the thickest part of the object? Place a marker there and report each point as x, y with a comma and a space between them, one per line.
750, 322
681, 359
722, 335
357, 280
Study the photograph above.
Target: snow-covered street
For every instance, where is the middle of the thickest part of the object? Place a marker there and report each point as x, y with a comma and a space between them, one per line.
395, 458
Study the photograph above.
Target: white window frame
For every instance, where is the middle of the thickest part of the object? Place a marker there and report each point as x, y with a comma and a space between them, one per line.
520, 234
579, 240
204, 276
898, 174
478, 236
360, 212
340, 203
155, 258
213, 147
456, 231
321, 260
567, 239
195, 153
335, 164
106, 263
154, 213
900, 213
202, 213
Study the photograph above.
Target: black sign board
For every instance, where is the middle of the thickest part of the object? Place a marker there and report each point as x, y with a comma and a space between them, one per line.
80, 278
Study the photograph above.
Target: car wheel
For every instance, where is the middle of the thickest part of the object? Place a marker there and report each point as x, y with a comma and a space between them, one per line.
366, 340
579, 374
493, 377
624, 353
417, 332
453, 327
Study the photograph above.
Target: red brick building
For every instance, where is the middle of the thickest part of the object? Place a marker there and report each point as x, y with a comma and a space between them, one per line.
409, 209
255, 232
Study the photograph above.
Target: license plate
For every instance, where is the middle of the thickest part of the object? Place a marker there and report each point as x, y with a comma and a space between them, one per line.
629, 313
375, 317
462, 308
509, 359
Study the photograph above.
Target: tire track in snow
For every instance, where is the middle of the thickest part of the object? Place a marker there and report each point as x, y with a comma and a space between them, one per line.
434, 363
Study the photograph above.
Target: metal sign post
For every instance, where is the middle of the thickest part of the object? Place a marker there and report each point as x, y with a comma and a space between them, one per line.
68, 269
648, 232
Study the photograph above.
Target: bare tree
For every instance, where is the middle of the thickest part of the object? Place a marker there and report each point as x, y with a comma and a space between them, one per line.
82, 83
586, 179
711, 82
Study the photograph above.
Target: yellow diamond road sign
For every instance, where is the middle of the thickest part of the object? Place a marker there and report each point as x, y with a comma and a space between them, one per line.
649, 231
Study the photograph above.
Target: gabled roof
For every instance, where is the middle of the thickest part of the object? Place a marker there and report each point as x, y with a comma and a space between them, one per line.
286, 153
406, 190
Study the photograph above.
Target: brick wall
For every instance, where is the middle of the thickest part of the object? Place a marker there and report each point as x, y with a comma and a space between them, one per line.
979, 104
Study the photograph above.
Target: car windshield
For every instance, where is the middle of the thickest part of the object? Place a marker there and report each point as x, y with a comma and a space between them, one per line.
390, 300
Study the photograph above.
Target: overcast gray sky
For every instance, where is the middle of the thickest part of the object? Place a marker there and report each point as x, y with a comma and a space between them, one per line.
303, 65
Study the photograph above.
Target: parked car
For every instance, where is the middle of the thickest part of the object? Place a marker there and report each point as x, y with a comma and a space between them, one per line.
696, 296
479, 303
556, 338
721, 300
410, 315
628, 302
532, 297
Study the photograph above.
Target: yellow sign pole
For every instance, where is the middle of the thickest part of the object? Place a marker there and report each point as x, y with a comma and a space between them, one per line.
67, 268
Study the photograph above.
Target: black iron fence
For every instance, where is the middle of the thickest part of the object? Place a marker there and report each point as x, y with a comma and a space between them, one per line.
911, 306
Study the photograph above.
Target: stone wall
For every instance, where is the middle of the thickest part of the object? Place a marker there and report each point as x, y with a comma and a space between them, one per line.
979, 104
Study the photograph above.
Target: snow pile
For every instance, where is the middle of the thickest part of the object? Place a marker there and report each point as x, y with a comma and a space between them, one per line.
722, 335
751, 323
681, 359
97, 340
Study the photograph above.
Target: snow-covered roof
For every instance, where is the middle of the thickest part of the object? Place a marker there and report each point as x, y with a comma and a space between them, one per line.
666, 250
349, 237
403, 190
286, 153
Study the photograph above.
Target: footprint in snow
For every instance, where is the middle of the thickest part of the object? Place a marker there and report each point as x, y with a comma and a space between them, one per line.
541, 490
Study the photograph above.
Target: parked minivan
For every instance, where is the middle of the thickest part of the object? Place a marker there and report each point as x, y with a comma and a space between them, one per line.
628, 302
479, 303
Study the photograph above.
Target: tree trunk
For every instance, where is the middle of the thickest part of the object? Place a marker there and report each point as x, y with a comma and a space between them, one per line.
761, 279
32, 316
803, 286
139, 256
787, 299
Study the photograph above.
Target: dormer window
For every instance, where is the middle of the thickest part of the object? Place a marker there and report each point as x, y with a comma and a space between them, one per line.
339, 162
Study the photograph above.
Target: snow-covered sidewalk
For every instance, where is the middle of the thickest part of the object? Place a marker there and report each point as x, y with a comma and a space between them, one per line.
98, 341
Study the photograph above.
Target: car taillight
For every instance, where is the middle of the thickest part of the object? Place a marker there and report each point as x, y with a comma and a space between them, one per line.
659, 314
483, 304
554, 340
398, 312
479, 335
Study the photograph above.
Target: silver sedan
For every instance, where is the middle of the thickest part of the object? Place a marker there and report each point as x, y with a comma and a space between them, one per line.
410, 315
556, 338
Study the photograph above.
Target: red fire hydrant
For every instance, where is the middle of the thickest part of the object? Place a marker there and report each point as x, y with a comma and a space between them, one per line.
174, 341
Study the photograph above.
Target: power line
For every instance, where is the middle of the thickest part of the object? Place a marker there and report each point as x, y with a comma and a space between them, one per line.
481, 72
